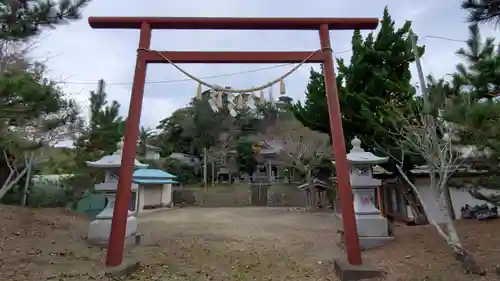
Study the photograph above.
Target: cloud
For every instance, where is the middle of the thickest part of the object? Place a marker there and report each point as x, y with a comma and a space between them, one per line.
86, 55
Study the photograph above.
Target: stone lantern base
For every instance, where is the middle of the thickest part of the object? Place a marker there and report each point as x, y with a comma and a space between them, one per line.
373, 228
373, 231
100, 229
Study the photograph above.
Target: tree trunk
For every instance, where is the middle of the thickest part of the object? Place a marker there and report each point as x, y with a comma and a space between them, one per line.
449, 202
308, 200
453, 240
312, 191
415, 204
450, 236
29, 166
9, 184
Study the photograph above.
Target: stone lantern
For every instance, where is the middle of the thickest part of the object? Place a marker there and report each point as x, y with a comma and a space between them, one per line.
100, 228
373, 228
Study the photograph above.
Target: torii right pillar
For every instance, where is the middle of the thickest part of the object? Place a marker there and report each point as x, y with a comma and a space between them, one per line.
352, 269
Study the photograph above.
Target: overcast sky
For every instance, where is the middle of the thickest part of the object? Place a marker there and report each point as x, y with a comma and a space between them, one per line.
80, 55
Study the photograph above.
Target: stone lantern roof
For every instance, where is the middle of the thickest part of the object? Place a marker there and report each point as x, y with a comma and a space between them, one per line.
357, 155
114, 160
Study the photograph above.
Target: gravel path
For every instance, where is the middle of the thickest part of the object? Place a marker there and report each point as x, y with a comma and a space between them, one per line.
277, 241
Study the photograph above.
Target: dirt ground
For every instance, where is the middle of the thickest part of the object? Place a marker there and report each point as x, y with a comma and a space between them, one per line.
227, 244
183, 244
242, 243
419, 253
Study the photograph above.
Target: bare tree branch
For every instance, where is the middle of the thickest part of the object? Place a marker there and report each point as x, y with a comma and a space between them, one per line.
431, 138
301, 148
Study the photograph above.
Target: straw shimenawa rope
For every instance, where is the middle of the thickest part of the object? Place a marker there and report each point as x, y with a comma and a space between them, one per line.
229, 90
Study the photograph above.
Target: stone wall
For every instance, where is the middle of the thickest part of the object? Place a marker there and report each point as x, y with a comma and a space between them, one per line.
237, 197
286, 198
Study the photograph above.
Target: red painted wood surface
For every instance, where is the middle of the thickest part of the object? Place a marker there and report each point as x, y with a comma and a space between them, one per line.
234, 23
233, 57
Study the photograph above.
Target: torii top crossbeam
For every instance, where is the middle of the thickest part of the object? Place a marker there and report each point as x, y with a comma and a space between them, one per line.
233, 23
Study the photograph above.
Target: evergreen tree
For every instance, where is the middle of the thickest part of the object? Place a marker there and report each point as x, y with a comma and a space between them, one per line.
195, 127
314, 112
174, 136
476, 113
104, 129
374, 92
480, 73
482, 10
479, 129
21, 19
145, 135
376, 81
26, 97
246, 156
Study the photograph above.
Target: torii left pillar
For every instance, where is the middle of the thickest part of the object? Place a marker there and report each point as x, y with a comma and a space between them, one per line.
144, 56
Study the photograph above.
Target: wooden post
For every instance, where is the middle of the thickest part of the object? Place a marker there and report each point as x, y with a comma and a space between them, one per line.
270, 170
381, 202
213, 173
205, 162
120, 213
345, 191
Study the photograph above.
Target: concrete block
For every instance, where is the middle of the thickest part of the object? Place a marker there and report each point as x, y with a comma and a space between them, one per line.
349, 272
372, 225
99, 230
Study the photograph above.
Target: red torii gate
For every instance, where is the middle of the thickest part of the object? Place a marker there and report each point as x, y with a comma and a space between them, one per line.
145, 56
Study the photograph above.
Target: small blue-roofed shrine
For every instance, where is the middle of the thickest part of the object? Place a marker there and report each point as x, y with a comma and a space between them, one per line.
154, 188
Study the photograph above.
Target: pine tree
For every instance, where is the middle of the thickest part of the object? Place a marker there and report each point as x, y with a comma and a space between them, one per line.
480, 129
26, 96
376, 80
476, 113
314, 112
104, 129
246, 158
145, 135
372, 87
21, 19
482, 10
480, 73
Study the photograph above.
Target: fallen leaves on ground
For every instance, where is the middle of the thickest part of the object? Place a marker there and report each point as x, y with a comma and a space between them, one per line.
418, 253
45, 244
49, 244
263, 244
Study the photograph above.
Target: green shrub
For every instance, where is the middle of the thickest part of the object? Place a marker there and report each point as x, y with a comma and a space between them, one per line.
43, 195
13, 196
185, 174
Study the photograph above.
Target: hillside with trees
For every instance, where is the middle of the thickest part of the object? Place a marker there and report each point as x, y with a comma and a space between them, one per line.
34, 111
